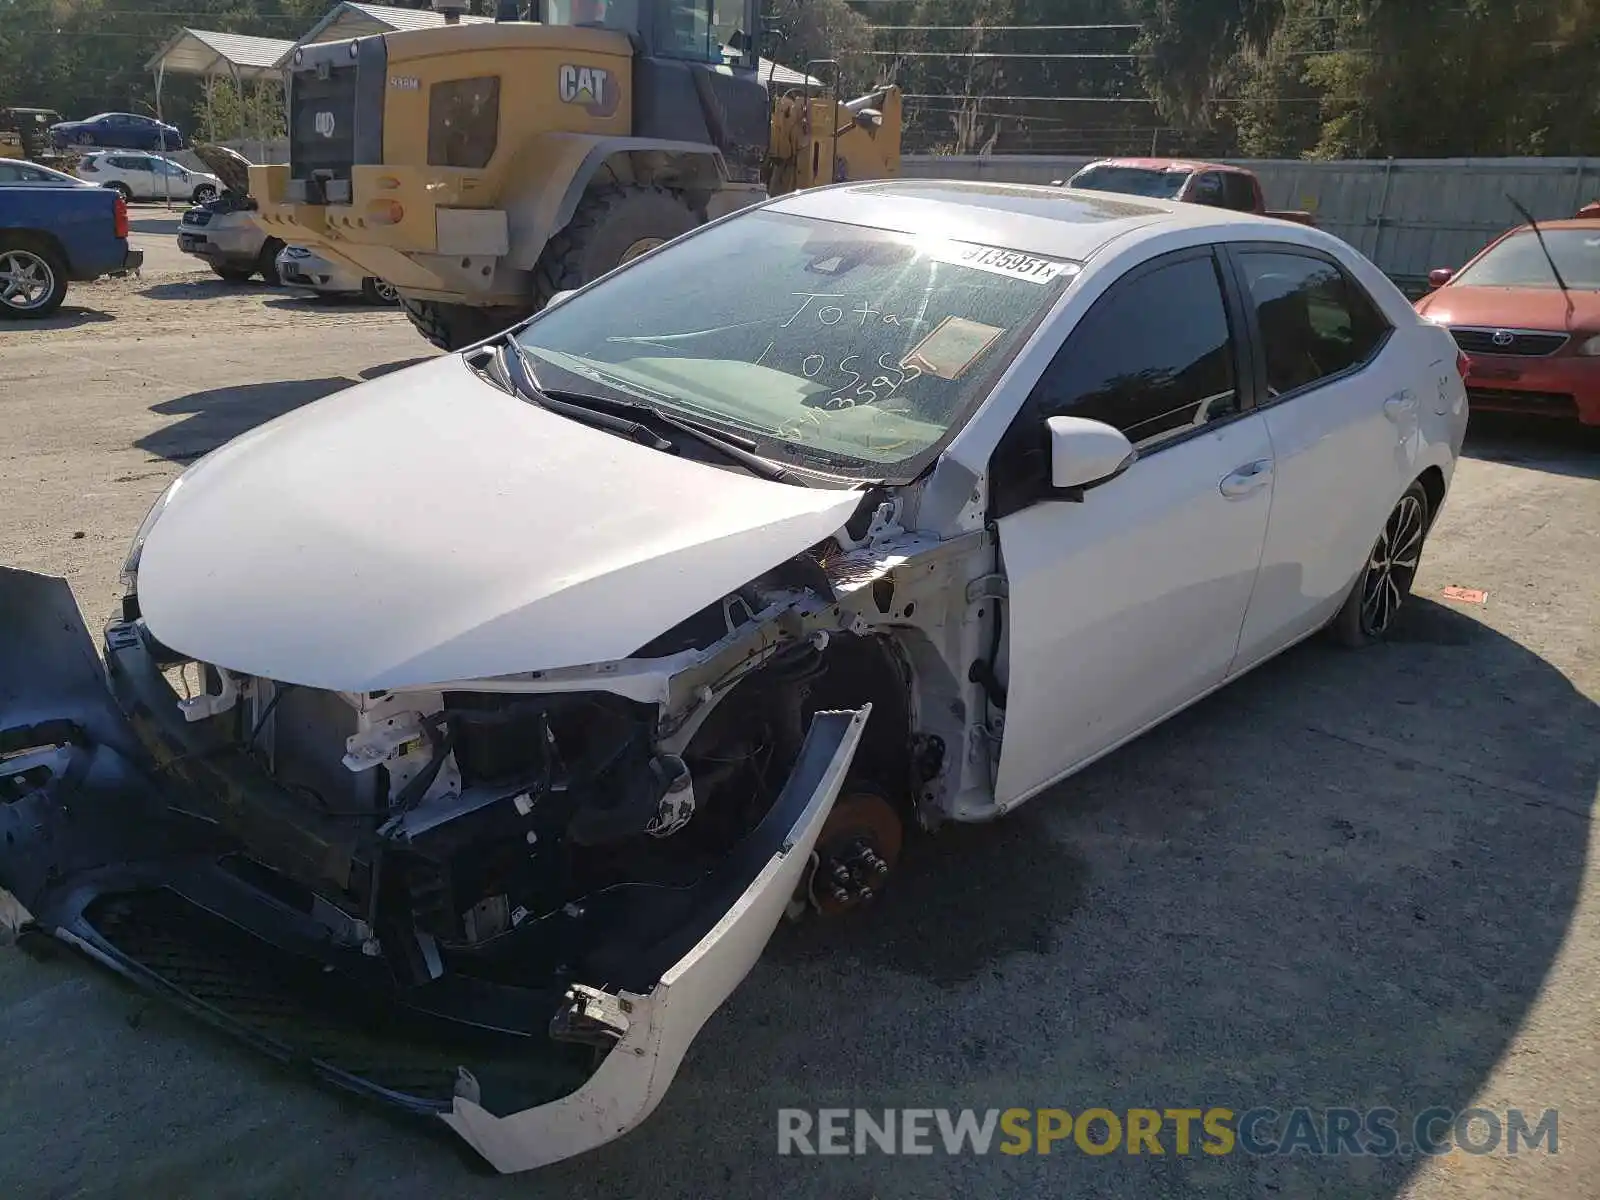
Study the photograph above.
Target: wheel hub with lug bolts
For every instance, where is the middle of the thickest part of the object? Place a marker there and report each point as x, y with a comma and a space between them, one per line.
857, 849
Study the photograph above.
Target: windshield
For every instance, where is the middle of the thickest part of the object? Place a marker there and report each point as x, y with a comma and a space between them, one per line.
1518, 262
1132, 181
859, 350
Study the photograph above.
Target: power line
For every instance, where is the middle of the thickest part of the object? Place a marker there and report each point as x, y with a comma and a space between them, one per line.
999, 28
991, 54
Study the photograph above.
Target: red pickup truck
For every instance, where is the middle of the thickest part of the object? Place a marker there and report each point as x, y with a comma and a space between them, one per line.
1179, 179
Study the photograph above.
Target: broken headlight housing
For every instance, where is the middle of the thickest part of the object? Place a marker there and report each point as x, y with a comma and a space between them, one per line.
129, 574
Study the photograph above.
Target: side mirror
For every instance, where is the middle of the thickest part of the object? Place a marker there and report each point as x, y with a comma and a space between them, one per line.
1085, 454
1440, 276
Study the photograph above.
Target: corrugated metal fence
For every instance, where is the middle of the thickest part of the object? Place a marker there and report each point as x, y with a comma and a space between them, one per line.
1408, 215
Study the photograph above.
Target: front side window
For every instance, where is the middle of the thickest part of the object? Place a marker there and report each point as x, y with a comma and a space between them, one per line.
859, 350
1518, 262
1154, 357
1314, 320
463, 122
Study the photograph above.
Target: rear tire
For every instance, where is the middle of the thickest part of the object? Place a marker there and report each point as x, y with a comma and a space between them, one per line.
33, 280
121, 189
453, 327
1385, 581
203, 193
376, 291
267, 261
611, 226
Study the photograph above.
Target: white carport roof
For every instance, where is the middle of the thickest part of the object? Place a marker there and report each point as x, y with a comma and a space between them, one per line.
350, 20
207, 52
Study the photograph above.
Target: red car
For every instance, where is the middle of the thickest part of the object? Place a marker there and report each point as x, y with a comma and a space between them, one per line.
1532, 345
1213, 184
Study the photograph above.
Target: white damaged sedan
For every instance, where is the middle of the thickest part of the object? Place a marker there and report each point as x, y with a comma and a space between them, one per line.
464, 736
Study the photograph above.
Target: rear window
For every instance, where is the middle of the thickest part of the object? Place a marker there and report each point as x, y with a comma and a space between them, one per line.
463, 122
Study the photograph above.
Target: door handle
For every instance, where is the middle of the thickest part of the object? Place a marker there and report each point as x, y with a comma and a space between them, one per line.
1399, 406
1246, 479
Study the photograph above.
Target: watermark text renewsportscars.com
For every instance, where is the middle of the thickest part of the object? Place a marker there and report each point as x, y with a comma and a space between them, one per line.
1372, 1132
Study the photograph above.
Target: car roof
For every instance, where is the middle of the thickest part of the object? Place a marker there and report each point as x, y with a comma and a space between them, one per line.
1164, 164
1058, 222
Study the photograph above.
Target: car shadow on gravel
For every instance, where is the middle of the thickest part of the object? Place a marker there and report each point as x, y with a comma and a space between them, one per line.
382, 369
220, 414
1339, 882
1558, 447
207, 289
62, 318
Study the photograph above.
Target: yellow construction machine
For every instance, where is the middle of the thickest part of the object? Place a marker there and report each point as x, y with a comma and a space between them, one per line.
25, 133
484, 167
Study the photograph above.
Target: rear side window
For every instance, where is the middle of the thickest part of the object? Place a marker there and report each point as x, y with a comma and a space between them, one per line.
1315, 321
1153, 357
1238, 193
463, 122
1207, 189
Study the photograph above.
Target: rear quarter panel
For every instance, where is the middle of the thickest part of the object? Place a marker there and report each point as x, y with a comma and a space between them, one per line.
79, 223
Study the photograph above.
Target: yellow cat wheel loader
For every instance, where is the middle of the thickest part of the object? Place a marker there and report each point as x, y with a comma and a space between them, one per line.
484, 167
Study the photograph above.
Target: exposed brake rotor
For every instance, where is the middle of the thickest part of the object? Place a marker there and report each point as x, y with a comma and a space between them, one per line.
857, 849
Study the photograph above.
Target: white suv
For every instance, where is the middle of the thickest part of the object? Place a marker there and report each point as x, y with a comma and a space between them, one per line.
140, 176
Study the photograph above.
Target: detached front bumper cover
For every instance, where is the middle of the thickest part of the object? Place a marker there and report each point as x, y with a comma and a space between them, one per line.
106, 853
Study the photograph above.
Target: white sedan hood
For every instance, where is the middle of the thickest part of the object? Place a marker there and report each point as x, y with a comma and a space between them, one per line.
426, 528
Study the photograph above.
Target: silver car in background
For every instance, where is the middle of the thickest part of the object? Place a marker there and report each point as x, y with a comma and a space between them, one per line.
303, 268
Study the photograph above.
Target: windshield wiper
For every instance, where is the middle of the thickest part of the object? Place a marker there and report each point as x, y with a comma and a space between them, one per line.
739, 449
1548, 257
514, 370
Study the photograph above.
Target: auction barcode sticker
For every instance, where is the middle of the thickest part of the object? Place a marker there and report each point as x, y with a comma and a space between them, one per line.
1013, 264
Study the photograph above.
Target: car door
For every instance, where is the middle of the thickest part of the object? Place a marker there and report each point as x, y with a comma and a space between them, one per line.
124, 131
1128, 605
1342, 416
170, 179
137, 171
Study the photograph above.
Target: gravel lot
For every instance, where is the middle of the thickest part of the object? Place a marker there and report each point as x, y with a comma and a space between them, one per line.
1350, 879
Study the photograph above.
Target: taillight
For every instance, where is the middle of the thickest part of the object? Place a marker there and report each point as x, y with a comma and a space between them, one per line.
119, 221
1463, 363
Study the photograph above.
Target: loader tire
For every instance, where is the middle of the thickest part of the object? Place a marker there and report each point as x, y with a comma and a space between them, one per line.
611, 226
453, 327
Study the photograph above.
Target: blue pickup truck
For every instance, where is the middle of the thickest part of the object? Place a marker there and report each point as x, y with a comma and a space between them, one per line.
50, 236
